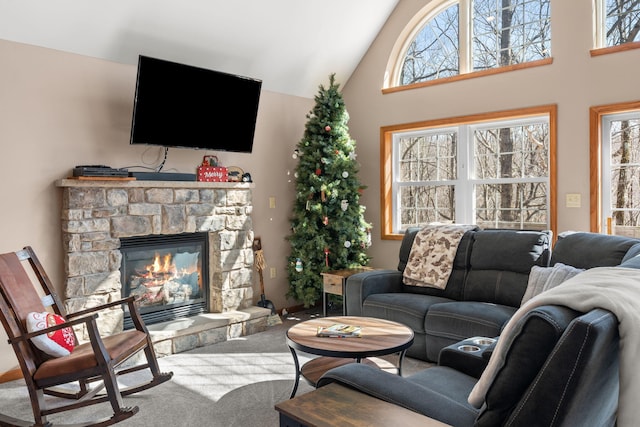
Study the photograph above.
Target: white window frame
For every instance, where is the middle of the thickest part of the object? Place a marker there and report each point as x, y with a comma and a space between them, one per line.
600, 25
604, 196
465, 181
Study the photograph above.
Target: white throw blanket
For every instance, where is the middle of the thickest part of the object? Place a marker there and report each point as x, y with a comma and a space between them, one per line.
615, 289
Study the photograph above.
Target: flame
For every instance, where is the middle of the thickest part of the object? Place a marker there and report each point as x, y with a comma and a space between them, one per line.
161, 265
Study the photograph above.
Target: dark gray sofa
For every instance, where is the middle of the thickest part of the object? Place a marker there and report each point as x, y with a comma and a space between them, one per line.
561, 369
489, 278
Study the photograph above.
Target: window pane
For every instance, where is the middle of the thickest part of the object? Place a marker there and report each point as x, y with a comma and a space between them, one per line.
429, 157
507, 32
421, 205
625, 172
512, 152
434, 52
519, 206
622, 21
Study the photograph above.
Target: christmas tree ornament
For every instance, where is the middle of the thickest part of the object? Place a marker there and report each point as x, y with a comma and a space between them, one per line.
326, 256
298, 265
352, 156
347, 244
344, 205
345, 174
325, 220
323, 196
318, 171
327, 128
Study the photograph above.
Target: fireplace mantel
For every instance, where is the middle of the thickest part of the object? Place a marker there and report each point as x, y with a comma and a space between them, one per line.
97, 213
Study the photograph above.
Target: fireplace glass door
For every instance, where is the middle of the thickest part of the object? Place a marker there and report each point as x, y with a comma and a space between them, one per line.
167, 274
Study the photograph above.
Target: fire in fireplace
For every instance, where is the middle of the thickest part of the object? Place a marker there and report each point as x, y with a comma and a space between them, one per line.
167, 274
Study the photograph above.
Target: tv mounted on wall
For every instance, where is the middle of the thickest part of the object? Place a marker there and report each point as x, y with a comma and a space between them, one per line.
179, 105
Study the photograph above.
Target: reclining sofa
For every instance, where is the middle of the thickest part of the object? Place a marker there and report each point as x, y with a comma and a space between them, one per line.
561, 369
486, 286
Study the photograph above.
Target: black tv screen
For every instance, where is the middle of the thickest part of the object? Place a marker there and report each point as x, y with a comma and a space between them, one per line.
178, 105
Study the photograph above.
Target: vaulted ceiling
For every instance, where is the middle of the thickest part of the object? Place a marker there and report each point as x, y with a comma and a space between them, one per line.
291, 45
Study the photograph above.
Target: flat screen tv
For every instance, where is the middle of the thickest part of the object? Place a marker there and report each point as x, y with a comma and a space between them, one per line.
178, 105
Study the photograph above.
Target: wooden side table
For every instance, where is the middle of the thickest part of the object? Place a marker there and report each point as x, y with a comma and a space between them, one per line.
333, 282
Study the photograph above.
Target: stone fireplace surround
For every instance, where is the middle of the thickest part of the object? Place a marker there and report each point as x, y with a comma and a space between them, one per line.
97, 213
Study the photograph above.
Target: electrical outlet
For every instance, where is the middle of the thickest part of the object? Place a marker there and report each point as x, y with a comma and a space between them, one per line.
573, 200
272, 272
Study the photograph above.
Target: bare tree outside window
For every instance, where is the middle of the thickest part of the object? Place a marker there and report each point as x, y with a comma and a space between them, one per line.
622, 21
507, 185
519, 157
434, 51
625, 173
503, 33
508, 32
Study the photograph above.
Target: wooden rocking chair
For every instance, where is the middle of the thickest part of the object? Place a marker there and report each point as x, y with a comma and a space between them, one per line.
93, 367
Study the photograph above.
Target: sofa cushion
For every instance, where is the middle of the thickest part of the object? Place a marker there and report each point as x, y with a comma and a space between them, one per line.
510, 250
632, 262
449, 322
500, 264
579, 383
544, 278
588, 250
408, 309
539, 331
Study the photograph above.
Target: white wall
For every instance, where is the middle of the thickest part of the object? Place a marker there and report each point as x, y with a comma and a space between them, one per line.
58, 110
575, 81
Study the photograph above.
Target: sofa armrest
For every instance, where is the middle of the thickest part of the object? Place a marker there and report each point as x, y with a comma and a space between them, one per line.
359, 286
402, 392
469, 356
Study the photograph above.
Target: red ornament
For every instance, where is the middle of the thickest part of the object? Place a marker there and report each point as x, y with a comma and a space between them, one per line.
327, 128
318, 171
326, 256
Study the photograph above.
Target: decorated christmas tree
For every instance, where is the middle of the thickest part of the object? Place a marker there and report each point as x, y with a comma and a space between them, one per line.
329, 231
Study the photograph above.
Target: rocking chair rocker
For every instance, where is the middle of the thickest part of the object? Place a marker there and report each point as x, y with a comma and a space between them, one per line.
93, 366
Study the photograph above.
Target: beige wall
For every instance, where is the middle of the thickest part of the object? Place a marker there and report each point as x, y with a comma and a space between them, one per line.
58, 110
575, 81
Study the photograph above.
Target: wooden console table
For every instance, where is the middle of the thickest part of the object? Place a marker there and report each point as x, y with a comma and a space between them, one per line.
335, 405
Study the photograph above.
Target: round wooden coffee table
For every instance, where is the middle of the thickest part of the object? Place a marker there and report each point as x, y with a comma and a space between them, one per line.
379, 337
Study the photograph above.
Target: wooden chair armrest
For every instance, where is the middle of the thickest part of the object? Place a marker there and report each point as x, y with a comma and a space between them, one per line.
66, 324
129, 301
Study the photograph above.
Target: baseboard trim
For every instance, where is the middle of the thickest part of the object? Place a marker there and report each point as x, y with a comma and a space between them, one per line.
14, 374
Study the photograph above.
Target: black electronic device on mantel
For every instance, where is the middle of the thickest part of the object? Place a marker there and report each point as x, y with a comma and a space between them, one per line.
179, 105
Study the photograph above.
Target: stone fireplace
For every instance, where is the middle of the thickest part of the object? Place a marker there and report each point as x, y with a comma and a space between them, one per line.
97, 214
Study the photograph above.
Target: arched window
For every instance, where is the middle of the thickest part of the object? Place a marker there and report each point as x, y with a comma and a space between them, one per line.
451, 38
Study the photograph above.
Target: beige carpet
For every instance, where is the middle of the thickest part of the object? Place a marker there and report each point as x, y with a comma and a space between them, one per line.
235, 383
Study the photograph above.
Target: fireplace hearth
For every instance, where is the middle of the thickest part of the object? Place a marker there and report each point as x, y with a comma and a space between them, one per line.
167, 275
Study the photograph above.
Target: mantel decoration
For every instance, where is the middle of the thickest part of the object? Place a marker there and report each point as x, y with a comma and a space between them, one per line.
329, 231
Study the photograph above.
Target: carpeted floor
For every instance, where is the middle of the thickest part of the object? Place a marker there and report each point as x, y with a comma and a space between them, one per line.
235, 383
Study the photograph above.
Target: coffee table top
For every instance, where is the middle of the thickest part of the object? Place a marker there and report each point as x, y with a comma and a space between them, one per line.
379, 337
